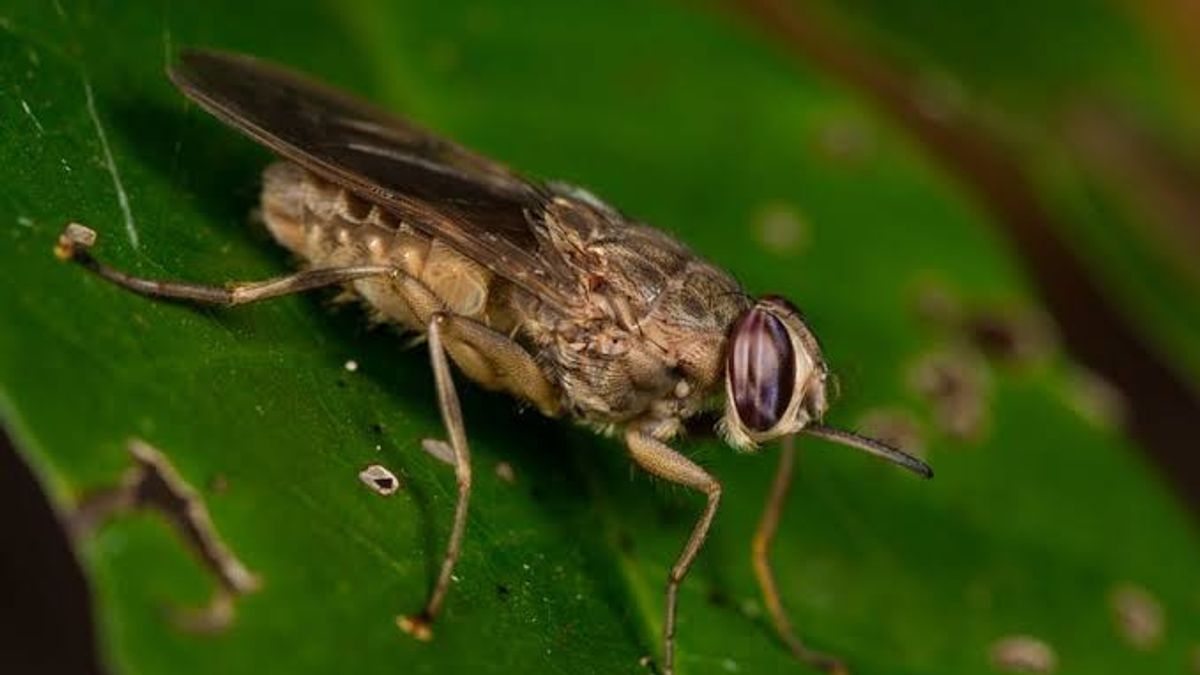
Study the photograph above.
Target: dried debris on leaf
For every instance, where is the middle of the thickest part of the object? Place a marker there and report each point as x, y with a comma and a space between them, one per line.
380, 479
153, 484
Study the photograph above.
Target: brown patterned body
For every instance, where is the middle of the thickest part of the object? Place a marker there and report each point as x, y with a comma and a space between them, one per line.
645, 343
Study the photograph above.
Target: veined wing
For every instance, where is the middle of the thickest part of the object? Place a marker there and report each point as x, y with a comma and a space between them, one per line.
474, 204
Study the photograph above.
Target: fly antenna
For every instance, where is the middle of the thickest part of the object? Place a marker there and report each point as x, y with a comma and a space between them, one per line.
870, 446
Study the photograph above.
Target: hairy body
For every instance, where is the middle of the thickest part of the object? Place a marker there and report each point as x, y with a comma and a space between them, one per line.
644, 347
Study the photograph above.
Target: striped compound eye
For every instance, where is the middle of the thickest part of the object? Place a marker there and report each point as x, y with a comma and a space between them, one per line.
761, 367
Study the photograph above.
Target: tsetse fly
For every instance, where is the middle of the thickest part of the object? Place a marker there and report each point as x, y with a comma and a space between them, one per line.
539, 290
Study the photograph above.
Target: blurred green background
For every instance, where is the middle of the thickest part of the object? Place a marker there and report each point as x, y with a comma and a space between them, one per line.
988, 211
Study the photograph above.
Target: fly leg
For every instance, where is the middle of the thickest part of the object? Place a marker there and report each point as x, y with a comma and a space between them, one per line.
659, 459
76, 240
496, 362
760, 551
420, 625
74, 245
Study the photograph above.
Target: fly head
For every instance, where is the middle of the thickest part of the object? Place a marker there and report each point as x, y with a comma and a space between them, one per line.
775, 384
774, 374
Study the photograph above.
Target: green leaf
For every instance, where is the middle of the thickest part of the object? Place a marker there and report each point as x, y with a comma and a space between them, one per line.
681, 117
1098, 101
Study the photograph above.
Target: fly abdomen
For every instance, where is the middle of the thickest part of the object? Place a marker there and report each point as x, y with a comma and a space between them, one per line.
329, 226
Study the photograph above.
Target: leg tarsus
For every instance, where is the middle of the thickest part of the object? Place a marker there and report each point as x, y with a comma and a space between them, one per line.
419, 625
73, 238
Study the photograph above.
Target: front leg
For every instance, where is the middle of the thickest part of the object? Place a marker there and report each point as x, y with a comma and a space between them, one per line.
660, 460
764, 536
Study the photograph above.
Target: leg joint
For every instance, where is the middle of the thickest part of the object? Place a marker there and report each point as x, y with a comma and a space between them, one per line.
713, 491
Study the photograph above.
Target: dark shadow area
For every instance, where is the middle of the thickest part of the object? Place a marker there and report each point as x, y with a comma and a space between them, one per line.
45, 607
215, 167
581, 479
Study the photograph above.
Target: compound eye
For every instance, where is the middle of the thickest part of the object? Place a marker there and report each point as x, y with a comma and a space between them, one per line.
761, 367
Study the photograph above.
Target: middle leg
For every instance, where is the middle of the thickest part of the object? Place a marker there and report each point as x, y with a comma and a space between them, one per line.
420, 625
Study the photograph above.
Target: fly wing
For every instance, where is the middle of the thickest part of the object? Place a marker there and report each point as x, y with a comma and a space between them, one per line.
476, 205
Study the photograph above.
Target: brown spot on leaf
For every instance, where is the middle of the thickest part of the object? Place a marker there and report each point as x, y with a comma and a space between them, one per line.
1023, 654
781, 228
896, 427
1006, 333
218, 484
956, 385
846, 140
1138, 616
504, 472
1014, 336
937, 304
